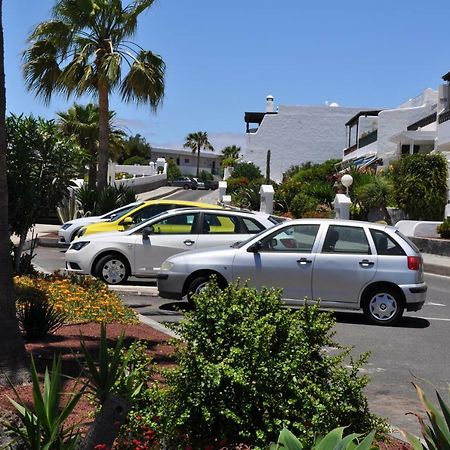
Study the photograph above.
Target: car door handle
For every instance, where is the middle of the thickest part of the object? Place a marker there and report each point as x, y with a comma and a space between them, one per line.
189, 242
366, 263
304, 261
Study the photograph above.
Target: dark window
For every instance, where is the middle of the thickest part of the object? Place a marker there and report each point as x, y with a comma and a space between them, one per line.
149, 211
220, 224
345, 239
294, 238
385, 245
252, 226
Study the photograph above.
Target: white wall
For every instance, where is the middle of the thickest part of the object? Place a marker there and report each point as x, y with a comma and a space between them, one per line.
298, 134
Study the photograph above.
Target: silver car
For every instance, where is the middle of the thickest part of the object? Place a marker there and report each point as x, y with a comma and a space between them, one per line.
346, 264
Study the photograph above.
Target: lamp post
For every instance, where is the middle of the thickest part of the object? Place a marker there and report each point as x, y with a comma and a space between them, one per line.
347, 181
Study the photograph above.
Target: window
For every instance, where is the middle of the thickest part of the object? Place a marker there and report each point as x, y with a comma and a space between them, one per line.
252, 226
148, 212
294, 238
179, 224
385, 245
344, 239
216, 223
186, 160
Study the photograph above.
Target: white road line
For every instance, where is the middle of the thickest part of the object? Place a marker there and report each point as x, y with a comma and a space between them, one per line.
434, 304
442, 319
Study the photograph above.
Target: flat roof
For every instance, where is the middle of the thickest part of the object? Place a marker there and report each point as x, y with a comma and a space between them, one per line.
371, 112
256, 117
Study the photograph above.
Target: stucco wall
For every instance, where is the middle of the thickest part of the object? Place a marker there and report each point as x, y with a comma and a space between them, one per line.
298, 134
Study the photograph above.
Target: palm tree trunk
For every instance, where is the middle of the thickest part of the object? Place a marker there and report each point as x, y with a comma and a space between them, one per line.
103, 138
92, 173
198, 161
13, 358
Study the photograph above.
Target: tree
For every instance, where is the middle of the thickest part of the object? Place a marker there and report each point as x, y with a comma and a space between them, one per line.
82, 50
82, 122
40, 166
135, 145
196, 142
230, 155
13, 359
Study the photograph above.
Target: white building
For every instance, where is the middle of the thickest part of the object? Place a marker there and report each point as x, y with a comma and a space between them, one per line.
187, 161
295, 134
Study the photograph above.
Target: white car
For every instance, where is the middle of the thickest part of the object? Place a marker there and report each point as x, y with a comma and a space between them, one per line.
140, 250
69, 230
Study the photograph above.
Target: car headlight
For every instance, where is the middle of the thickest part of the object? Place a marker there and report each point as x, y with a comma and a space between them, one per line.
81, 231
78, 245
166, 266
64, 226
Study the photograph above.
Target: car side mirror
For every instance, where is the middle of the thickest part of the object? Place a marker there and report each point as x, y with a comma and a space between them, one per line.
127, 221
255, 248
146, 232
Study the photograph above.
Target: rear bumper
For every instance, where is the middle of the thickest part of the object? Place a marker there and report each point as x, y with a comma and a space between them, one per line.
415, 295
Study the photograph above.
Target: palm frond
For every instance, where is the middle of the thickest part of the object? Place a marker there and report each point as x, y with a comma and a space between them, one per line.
144, 83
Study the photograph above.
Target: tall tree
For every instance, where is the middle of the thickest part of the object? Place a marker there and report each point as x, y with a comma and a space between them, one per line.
82, 122
13, 360
230, 155
196, 142
83, 50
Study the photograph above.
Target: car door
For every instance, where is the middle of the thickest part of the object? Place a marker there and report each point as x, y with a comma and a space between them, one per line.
169, 235
284, 260
344, 266
218, 229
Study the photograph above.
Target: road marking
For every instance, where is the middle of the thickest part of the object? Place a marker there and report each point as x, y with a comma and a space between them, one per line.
434, 304
442, 319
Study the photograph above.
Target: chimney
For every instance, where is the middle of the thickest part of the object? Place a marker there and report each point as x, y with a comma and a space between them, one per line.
269, 104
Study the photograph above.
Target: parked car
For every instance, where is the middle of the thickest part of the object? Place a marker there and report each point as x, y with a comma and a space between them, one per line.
69, 229
140, 250
143, 211
184, 182
346, 264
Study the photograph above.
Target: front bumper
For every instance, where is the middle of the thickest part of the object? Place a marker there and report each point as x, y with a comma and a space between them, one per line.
170, 285
76, 263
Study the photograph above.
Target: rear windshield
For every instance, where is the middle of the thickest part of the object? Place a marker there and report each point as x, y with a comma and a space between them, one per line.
408, 241
276, 219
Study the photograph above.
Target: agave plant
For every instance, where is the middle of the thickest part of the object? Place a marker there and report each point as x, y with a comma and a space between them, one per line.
437, 434
332, 441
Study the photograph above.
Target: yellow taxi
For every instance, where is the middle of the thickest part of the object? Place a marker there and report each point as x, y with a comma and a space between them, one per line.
139, 213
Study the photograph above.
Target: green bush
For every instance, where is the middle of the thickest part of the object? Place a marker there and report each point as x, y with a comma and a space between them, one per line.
140, 160
302, 203
173, 171
444, 229
247, 366
37, 317
420, 185
246, 170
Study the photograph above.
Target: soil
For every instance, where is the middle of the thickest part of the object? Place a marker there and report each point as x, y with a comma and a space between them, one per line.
66, 341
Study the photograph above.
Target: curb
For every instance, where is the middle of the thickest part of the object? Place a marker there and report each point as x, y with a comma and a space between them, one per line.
157, 326
436, 269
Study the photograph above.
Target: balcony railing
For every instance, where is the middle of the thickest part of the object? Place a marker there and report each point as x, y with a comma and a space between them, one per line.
443, 117
368, 139
349, 150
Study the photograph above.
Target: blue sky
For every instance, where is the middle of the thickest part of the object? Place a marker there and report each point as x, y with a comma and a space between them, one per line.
224, 57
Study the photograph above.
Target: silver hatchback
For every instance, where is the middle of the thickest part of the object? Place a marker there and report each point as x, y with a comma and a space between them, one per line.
345, 264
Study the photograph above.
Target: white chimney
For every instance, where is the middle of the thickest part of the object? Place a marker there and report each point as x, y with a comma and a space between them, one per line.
269, 104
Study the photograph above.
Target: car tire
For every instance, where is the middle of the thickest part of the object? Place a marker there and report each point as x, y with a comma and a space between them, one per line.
186, 187
383, 306
195, 286
112, 269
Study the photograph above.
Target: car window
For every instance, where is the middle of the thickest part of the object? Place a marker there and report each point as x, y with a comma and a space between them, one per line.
148, 212
345, 239
252, 226
179, 224
219, 224
295, 238
385, 244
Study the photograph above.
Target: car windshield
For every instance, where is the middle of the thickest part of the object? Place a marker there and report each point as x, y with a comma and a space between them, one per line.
276, 219
240, 244
114, 214
123, 212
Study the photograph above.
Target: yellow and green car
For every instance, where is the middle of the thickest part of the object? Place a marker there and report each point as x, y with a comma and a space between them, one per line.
138, 213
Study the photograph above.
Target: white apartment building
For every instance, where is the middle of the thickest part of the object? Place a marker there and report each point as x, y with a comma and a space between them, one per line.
295, 134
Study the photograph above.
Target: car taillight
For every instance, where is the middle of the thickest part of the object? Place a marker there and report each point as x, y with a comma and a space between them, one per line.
414, 262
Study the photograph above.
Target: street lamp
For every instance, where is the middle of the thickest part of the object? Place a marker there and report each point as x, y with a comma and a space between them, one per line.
347, 181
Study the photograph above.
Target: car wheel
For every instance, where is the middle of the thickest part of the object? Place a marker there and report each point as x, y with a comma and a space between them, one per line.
383, 306
186, 187
112, 269
196, 286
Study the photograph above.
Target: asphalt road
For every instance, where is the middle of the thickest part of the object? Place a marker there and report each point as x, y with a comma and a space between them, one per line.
416, 349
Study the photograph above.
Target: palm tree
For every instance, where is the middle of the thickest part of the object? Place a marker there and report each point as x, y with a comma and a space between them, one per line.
83, 123
82, 50
13, 360
196, 142
230, 155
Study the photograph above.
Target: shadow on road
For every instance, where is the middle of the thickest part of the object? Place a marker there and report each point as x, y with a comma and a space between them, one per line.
177, 306
358, 319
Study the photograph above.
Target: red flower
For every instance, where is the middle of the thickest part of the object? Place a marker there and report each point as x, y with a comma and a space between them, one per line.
101, 447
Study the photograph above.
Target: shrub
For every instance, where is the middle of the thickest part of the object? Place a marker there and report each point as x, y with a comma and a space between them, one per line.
140, 160
246, 170
248, 367
420, 185
444, 229
81, 299
173, 171
302, 203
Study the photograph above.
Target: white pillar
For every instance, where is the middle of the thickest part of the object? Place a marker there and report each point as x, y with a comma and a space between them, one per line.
341, 204
226, 199
266, 192
222, 190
